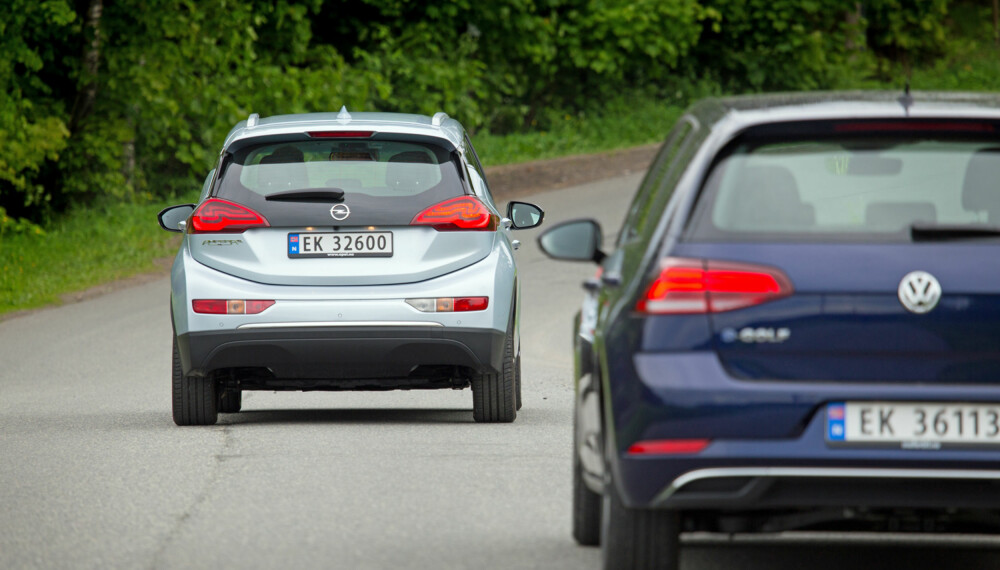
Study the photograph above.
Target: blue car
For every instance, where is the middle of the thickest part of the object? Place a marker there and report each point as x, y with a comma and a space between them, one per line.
798, 326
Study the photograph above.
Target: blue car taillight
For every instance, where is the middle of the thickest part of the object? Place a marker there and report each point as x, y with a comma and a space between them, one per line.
693, 286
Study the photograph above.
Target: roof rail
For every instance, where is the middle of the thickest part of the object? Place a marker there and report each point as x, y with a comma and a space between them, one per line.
438, 118
252, 120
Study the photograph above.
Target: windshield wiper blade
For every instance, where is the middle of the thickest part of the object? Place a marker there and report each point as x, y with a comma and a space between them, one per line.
308, 195
942, 232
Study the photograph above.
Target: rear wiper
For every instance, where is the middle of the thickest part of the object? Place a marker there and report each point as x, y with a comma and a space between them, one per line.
921, 231
308, 195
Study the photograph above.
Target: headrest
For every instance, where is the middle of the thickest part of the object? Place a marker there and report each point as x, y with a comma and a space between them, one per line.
409, 171
981, 188
285, 177
768, 197
284, 155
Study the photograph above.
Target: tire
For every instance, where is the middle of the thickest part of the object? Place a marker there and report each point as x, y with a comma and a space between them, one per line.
644, 539
230, 401
494, 396
194, 399
586, 504
517, 382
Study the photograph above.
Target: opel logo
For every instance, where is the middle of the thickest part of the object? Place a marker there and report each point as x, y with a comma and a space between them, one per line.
919, 292
340, 212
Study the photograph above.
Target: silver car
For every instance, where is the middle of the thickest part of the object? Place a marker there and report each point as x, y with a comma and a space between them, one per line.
339, 251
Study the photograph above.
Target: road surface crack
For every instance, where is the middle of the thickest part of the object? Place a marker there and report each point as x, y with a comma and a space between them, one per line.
203, 494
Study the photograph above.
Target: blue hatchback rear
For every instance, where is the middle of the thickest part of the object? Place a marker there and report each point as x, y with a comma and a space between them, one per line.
797, 328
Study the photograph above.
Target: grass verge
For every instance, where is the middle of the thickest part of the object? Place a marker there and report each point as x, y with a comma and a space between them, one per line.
622, 124
83, 248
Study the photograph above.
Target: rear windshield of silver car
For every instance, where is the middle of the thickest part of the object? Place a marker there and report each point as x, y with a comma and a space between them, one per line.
382, 181
867, 185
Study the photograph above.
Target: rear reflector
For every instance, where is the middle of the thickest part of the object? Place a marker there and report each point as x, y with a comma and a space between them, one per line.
449, 304
457, 214
340, 134
230, 306
668, 446
216, 215
692, 286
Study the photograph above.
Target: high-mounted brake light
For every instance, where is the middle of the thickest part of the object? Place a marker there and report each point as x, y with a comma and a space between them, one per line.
340, 134
668, 446
230, 306
216, 215
880, 126
692, 286
462, 213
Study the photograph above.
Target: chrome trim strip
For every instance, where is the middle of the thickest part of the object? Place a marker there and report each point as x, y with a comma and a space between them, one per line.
340, 324
877, 473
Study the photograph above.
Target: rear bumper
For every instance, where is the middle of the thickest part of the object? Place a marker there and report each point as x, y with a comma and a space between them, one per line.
768, 443
788, 487
341, 352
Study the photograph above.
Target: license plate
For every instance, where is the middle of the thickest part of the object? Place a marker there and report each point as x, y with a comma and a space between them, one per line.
913, 425
340, 244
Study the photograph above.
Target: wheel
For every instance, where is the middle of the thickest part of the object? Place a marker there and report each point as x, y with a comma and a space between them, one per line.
638, 538
517, 382
230, 401
586, 504
194, 399
494, 397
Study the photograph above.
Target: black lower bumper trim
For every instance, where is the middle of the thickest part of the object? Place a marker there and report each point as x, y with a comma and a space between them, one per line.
341, 352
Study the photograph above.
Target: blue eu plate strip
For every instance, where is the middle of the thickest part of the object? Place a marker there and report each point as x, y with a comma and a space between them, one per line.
836, 414
293, 243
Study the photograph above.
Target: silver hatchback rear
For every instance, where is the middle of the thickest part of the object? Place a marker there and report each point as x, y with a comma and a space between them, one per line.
339, 252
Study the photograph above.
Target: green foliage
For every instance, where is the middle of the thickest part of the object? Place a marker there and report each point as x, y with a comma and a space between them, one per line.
763, 45
10, 226
173, 76
909, 32
32, 123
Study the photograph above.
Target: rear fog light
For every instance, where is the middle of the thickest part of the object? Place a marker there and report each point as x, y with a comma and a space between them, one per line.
230, 306
449, 304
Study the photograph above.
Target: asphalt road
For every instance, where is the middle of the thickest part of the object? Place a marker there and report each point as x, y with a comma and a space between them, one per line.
94, 474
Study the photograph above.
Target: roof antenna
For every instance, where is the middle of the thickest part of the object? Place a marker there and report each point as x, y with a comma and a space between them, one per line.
343, 116
906, 100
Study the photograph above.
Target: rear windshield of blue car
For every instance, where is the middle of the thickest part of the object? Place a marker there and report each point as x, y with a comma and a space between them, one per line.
875, 188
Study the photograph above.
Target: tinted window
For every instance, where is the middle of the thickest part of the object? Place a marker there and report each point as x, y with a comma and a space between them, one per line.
843, 189
664, 170
384, 182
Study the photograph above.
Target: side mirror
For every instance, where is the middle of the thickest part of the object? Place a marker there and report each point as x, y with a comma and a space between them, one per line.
524, 215
174, 218
575, 240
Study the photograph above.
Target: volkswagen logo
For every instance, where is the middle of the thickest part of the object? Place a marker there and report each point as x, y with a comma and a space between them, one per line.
340, 212
919, 292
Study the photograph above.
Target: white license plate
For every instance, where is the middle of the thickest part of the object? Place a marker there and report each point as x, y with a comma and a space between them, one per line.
340, 244
915, 425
